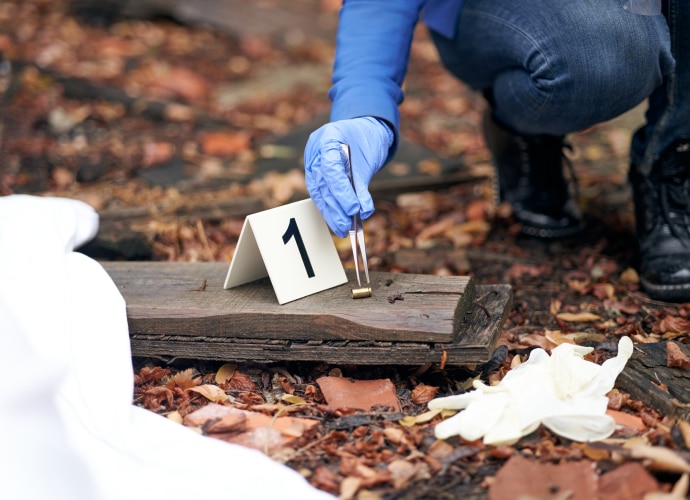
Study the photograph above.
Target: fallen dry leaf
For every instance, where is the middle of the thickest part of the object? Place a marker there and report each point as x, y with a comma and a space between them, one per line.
629, 276
349, 487
225, 373
241, 382
249, 428
403, 472
537, 340
524, 478
630, 481
555, 306
62, 178
182, 82
672, 324
211, 392
151, 374
675, 357
627, 420
435, 229
478, 209
557, 338
175, 417
594, 452
423, 393
292, 399
343, 392
214, 418
184, 380
224, 143
155, 396
660, 458
325, 479
581, 317
603, 291
518, 270
157, 152
394, 434
422, 418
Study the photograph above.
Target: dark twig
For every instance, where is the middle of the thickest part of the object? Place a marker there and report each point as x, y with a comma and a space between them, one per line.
477, 302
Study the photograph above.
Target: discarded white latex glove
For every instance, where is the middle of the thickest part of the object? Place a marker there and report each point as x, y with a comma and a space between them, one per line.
564, 392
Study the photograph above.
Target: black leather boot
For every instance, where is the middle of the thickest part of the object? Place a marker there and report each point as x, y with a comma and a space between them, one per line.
529, 174
662, 214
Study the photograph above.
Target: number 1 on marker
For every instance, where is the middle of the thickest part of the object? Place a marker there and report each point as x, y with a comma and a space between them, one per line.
291, 231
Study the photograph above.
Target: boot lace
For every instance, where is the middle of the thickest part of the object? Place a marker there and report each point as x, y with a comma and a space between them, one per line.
674, 207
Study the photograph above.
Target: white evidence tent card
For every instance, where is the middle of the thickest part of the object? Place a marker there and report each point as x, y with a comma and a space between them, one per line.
290, 244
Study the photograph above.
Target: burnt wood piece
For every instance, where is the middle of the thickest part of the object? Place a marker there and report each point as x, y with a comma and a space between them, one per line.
171, 316
646, 372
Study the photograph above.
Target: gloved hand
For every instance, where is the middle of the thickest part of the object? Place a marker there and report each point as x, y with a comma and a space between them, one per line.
564, 392
326, 172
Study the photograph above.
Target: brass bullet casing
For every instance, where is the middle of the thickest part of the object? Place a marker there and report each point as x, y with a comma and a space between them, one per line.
360, 293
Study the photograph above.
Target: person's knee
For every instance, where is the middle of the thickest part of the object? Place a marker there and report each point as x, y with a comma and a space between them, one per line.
604, 71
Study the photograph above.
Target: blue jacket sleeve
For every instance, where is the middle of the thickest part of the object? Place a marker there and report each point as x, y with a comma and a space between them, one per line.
371, 57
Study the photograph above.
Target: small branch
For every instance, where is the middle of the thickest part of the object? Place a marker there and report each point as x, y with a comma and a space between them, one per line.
477, 302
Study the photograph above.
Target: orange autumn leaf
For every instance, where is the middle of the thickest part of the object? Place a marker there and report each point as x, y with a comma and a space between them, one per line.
626, 420
224, 143
155, 153
558, 338
184, 380
555, 306
603, 291
151, 374
225, 373
241, 382
580, 317
675, 357
156, 396
672, 324
211, 392
182, 82
422, 394
537, 339
629, 276
422, 418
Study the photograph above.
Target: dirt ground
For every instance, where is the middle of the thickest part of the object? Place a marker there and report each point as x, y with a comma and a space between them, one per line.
175, 122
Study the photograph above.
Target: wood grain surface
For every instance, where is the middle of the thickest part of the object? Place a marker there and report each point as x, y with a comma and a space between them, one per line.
182, 310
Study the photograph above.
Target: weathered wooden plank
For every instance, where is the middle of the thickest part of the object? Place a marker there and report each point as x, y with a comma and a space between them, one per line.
645, 373
164, 298
474, 345
169, 317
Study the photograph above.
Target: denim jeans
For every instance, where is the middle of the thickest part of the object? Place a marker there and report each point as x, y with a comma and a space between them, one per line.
558, 66
668, 114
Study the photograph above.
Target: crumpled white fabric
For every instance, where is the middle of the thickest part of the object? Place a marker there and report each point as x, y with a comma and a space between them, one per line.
564, 392
68, 429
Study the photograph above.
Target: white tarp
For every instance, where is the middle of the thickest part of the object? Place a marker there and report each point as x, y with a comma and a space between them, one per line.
68, 429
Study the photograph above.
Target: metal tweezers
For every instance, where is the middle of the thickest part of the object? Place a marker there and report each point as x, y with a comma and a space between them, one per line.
356, 230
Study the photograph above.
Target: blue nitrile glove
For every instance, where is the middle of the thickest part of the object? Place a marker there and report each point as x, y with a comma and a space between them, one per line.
327, 176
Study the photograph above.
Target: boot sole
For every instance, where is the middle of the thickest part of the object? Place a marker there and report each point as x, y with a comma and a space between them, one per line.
666, 293
552, 234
